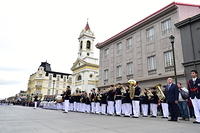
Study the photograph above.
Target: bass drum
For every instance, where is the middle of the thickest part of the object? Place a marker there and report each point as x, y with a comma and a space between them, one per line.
59, 99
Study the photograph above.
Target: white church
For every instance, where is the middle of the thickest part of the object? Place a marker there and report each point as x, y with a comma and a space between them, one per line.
85, 69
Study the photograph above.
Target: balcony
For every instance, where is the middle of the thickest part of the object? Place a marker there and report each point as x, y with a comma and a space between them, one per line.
38, 86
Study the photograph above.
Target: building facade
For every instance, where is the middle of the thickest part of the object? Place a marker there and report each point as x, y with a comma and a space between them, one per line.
190, 38
143, 51
47, 83
85, 69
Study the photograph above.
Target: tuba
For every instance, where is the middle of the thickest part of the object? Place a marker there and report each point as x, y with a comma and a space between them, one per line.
159, 92
132, 84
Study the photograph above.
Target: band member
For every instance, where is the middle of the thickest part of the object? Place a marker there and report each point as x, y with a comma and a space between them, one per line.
110, 98
67, 95
164, 104
75, 96
82, 102
172, 99
154, 103
136, 101
97, 102
126, 102
144, 100
79, 101
103, 101
35, 101
118, 99
87, 103
71, 103
92, 98
194, 92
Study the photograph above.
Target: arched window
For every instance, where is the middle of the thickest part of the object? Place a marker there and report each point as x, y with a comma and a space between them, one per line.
79, 78
88, 44
81, 45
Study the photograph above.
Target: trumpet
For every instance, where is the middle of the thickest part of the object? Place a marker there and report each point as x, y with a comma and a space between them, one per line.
159, 92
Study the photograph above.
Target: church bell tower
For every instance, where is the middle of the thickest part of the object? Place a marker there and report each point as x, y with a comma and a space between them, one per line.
86, 43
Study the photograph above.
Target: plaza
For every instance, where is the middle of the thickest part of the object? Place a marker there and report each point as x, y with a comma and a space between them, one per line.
19, 119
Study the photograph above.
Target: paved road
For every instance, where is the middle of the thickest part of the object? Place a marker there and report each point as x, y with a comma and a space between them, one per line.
17, 119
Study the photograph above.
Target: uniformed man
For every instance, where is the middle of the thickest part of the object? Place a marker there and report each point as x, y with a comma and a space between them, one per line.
110, 98
136, 102
164, 104
144, 100
67, 95
92, 98
154, 103
103, 101
87, 103
194, 92
126, 102
35, 101
118, 99
97, 102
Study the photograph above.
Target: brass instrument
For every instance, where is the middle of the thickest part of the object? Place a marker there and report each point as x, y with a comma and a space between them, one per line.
149, 93
132, 84
159, 92
98, 96
143, 91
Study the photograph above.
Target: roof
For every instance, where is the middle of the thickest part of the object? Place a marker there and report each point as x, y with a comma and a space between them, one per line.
87, 27
124, 32
55, 73
188, 21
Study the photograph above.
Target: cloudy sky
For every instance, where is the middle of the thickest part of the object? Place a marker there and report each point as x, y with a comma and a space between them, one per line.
32, 31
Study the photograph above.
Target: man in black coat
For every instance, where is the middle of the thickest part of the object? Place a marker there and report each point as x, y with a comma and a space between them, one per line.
172, 99
194, 92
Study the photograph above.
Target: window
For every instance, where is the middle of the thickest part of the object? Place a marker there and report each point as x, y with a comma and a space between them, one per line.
129, 68
64, 85
106, 74
48, 92
119, 47
151, 63
88, 44
166, 27
150, 34
79, 78
49, 85
40, 75
81, 45
106, 52
91, 75
58, 78
65, 79
56, 92
129, 43
88, 54
119, 71
50, 77
39, 83
168, 58
57, 84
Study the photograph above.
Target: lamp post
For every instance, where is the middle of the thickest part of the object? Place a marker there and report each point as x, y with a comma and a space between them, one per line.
53, 87
171, 38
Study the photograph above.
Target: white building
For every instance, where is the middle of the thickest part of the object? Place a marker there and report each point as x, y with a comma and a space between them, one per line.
85, 68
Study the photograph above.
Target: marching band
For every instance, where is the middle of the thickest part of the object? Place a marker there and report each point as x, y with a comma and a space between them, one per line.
129, 100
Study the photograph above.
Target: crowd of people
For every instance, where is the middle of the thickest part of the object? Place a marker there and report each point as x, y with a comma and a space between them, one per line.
129, 100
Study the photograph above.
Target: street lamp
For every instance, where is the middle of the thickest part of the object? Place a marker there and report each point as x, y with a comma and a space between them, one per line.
53, 87
171, 38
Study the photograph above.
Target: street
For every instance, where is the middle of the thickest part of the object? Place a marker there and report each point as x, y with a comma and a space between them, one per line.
18, 119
